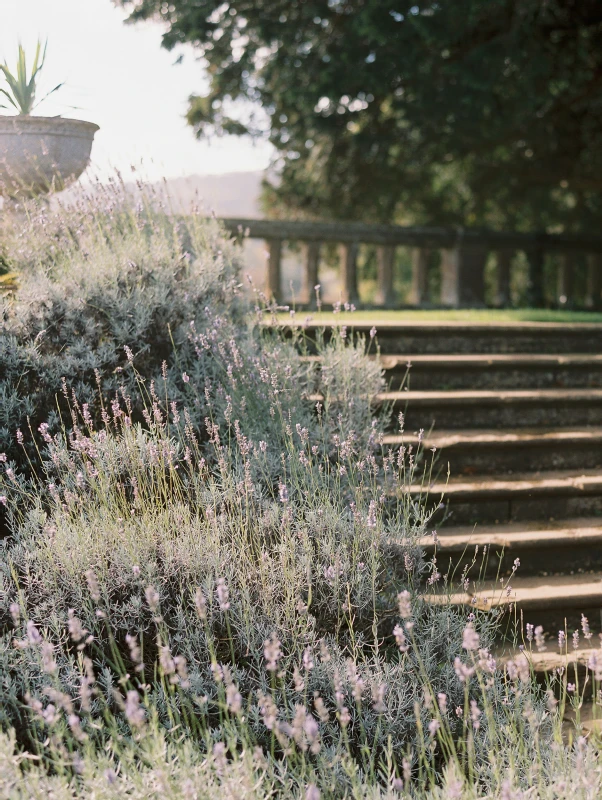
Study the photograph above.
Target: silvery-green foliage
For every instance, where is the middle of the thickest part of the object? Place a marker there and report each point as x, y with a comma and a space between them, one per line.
207, 554
305, 562
115, 295
153, 764
141, 507
103, 287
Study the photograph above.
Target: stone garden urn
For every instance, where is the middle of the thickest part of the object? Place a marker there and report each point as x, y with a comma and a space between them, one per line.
39, 155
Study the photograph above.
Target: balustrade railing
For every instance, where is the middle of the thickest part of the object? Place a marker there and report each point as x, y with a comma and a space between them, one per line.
464, 253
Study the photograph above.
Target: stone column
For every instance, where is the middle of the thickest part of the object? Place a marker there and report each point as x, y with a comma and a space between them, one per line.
312, 266
419, 293
349, 252
462, 276
385, 296
503, 264
565, 281
273, 289
535, 293
593, 295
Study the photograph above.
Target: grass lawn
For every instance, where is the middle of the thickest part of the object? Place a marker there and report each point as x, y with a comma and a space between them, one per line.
480, 316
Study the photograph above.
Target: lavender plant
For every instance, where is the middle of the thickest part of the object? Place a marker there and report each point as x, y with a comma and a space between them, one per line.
115, 292
161, 577
214, 582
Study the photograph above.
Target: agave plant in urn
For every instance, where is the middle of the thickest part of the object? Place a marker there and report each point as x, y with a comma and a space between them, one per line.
38, 154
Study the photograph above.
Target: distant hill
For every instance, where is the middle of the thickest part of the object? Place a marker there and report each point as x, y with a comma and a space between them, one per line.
233, 194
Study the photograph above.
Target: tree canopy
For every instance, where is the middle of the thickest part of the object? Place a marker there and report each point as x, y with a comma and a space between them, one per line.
471, 111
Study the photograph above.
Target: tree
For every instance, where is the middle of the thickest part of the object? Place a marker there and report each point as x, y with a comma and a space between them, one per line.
471, 111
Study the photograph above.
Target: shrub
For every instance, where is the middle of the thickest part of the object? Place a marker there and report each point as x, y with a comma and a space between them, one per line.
95, 285
214, 582
282, 602
115, 296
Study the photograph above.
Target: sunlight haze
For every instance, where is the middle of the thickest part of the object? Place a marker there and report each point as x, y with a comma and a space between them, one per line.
118, 76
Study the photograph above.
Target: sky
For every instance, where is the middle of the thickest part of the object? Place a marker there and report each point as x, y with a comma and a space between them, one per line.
119, 77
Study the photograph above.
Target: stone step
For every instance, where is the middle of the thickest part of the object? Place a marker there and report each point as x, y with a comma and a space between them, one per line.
561, 494
464, 337
497, 409
542, 547
553, 657
548, 601
487, 452
493, 371
516, 411
489, 371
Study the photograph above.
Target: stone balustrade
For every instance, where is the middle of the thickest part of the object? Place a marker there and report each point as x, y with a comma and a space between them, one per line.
464, 252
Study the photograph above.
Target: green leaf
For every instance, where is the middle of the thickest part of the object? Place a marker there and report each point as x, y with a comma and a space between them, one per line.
10, 99
21, 89
56, 88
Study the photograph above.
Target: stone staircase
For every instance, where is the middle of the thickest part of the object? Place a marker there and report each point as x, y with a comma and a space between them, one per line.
516, 411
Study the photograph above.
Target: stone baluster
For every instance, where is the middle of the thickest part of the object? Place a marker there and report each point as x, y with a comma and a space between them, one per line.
463, 276
273, 287
349, 252
593, 296
535, 293
312, 268
419, 292
503, 266
385, 267
565, 281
